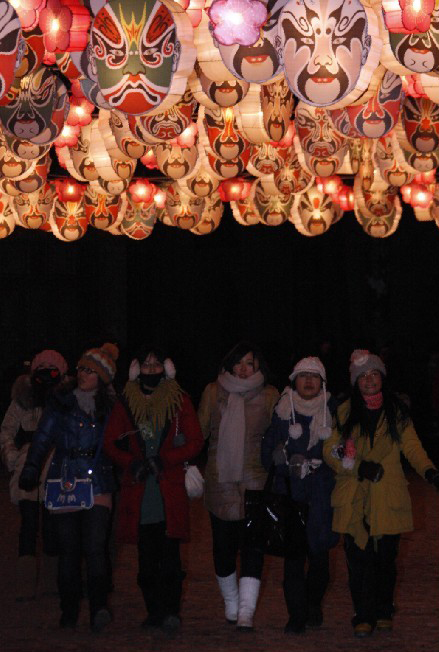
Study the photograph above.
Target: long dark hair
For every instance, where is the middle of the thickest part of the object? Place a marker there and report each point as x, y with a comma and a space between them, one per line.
395, 410
239, 351
104, 401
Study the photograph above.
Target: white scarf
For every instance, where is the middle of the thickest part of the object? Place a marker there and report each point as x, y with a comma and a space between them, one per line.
320, 427
231, 436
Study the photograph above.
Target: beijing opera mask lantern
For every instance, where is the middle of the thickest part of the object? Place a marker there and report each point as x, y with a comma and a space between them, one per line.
10, 37
171, 123
70, 219
375, 118
224, 137
326, 166
273, 208
33, 52
212, 215
266, 159
259, 62
34, 209
174, 161
184, 211
277, 103
418, 52
422, 161
244, 212
101, 210
224, 93
11, 166
124, 169
203, 184
136, 51
391, 171
37, 108
229, 168
292, 179
316, 132
82, 161
7, 219
36, 178
421, 123
139, 219
355, 146
314, 212
24, 149
328, 50
125, 140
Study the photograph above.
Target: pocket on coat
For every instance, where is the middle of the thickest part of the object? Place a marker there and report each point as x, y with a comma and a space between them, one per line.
397, 495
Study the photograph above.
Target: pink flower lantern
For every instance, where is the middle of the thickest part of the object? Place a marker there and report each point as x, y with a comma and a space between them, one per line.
237, 21
187, 138
412, 85
149, 159
141, 191
329, 185
69, 190
235, 189
408, 16
28, 12
80, 113
68, 136
65, 25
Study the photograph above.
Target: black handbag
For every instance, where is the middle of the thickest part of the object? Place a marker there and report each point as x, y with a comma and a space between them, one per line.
275, 524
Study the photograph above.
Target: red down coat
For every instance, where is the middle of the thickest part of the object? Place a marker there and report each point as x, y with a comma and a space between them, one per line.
175, 499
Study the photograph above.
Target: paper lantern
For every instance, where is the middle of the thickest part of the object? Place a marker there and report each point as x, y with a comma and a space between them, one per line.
272, 207
31, 52
139, 219
223, 135
34, 209
67, 67
421, 123
24, 149
375, 118
171, 123
185, 211
378, 208
212, 214
68, 190
225, 93
10, 37
244, 212
80, 113
125, 140
316, 132
392, 172
259, 62
420, 195
35, 178
329, 185
68, 220
149, 159
201, 184
187, 138
344, 198
12, 166
28, 12
208, 56
234, 189
141, 191
408, 16
265, 159
81, 156
102, 211
330, 50
7, 219
176, 162
277, 105
237, 22
292, 179
228, 168
250, 117
113, 187
102, 160
355, 145
65, 25
143, 54
314, 212
36, 109
417, 52
68, 136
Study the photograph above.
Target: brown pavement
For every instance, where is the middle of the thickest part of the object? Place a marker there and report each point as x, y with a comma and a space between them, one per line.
33, 627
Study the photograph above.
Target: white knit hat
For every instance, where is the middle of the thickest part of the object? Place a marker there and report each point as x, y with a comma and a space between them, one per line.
363, 361
309, 365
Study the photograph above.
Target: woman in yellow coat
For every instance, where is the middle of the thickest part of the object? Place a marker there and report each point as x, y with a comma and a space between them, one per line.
371, 502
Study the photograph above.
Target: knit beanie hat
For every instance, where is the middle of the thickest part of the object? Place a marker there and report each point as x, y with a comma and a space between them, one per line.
49, 358
310, 365
102, 360
363, 361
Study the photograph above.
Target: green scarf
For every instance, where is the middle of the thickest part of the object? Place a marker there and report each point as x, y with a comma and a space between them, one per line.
157, 407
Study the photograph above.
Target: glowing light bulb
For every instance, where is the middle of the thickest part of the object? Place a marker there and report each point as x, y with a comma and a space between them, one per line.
234, 17
54, 25
80, 111
416, 5
70, 189
15, 3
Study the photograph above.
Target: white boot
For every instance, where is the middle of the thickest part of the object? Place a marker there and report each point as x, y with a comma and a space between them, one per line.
229, 590
248, 597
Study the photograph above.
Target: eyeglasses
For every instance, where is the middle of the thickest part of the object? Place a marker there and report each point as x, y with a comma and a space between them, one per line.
86, 370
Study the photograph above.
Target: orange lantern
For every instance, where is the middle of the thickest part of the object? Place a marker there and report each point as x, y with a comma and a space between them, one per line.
68, 190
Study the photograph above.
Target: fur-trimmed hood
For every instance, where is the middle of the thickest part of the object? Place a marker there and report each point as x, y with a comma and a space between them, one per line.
22, 392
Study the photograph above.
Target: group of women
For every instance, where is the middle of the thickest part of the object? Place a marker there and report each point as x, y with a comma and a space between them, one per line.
341, 463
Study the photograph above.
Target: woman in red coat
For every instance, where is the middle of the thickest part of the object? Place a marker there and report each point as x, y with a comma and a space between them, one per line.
150, 434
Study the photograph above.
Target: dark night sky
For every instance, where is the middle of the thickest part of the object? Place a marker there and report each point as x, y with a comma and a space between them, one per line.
199, 295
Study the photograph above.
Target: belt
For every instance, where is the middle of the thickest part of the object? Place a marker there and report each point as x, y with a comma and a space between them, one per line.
74, 453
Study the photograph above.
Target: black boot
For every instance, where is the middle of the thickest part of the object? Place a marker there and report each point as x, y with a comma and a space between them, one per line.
97, 594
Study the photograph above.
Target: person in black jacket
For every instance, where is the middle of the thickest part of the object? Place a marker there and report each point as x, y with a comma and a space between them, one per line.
301, 421
73, 423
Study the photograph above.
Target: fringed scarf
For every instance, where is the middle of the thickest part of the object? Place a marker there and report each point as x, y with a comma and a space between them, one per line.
158, 407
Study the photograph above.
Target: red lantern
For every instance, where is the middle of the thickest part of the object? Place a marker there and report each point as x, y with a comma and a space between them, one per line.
69, 190
68, 136
287, 140
65, 25
149, 160
412, 86
80, 112
236, 189
406, 192
408, 16
344, 198
426, 177
28, 12
141, 191
420, 195
160, 198
187, 138
329, 185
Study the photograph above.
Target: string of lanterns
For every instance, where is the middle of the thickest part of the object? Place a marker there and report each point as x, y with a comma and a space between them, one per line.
202, 92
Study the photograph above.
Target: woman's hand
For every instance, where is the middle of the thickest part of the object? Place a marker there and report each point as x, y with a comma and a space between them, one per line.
372, 471
29, 478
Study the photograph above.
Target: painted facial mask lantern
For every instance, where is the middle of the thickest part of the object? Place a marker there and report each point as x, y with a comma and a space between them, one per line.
176, 162
70, 220
421, 123
10, 35
34, 209
139, 219
418, 52
224, 137
101, 210
277, 103
184, 211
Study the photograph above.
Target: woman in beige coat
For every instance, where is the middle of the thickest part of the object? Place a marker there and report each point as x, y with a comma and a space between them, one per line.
234, 413
20, 421
371, 501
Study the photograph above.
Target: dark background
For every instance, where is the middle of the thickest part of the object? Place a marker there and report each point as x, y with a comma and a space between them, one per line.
200, 295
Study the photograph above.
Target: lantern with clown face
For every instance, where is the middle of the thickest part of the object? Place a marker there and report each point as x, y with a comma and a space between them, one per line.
212, 215
327, 166
101, 210
37, 108
32, 181
314, 212
378, 208
223, 135
419, 52
421, 123
259, 62
69, 221
24, 149
316, 132
244, 212
185, 211
176, 162
7, 218
272, 207
223, 93
34, 209
391, 170
331, 49
141, 52
375, 118
171, 123
125, 140
139, 219
11, 166
10, 37
277, 103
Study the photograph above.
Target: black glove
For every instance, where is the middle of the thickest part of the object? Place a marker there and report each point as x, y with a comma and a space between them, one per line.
372, 471
432, 476
279, 456
138, 470
29, 478
154, 465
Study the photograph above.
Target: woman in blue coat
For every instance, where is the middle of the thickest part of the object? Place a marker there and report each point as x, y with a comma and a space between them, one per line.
73, 423
294, 444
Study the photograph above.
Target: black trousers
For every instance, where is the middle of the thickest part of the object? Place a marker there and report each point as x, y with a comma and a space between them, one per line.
304, 589
29, 529
83, 533
160, 575
372, 577
228, 540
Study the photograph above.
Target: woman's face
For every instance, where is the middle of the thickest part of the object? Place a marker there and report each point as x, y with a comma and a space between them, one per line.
246, 367
88, 379
151, 365
308, 385
370, 383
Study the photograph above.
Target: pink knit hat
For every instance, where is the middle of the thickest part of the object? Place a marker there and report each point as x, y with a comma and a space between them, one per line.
49, 358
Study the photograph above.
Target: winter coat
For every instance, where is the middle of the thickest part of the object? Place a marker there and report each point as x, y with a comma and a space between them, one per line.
315, 489
171, 479
21, 417
384, 505
75, 436
226, 499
